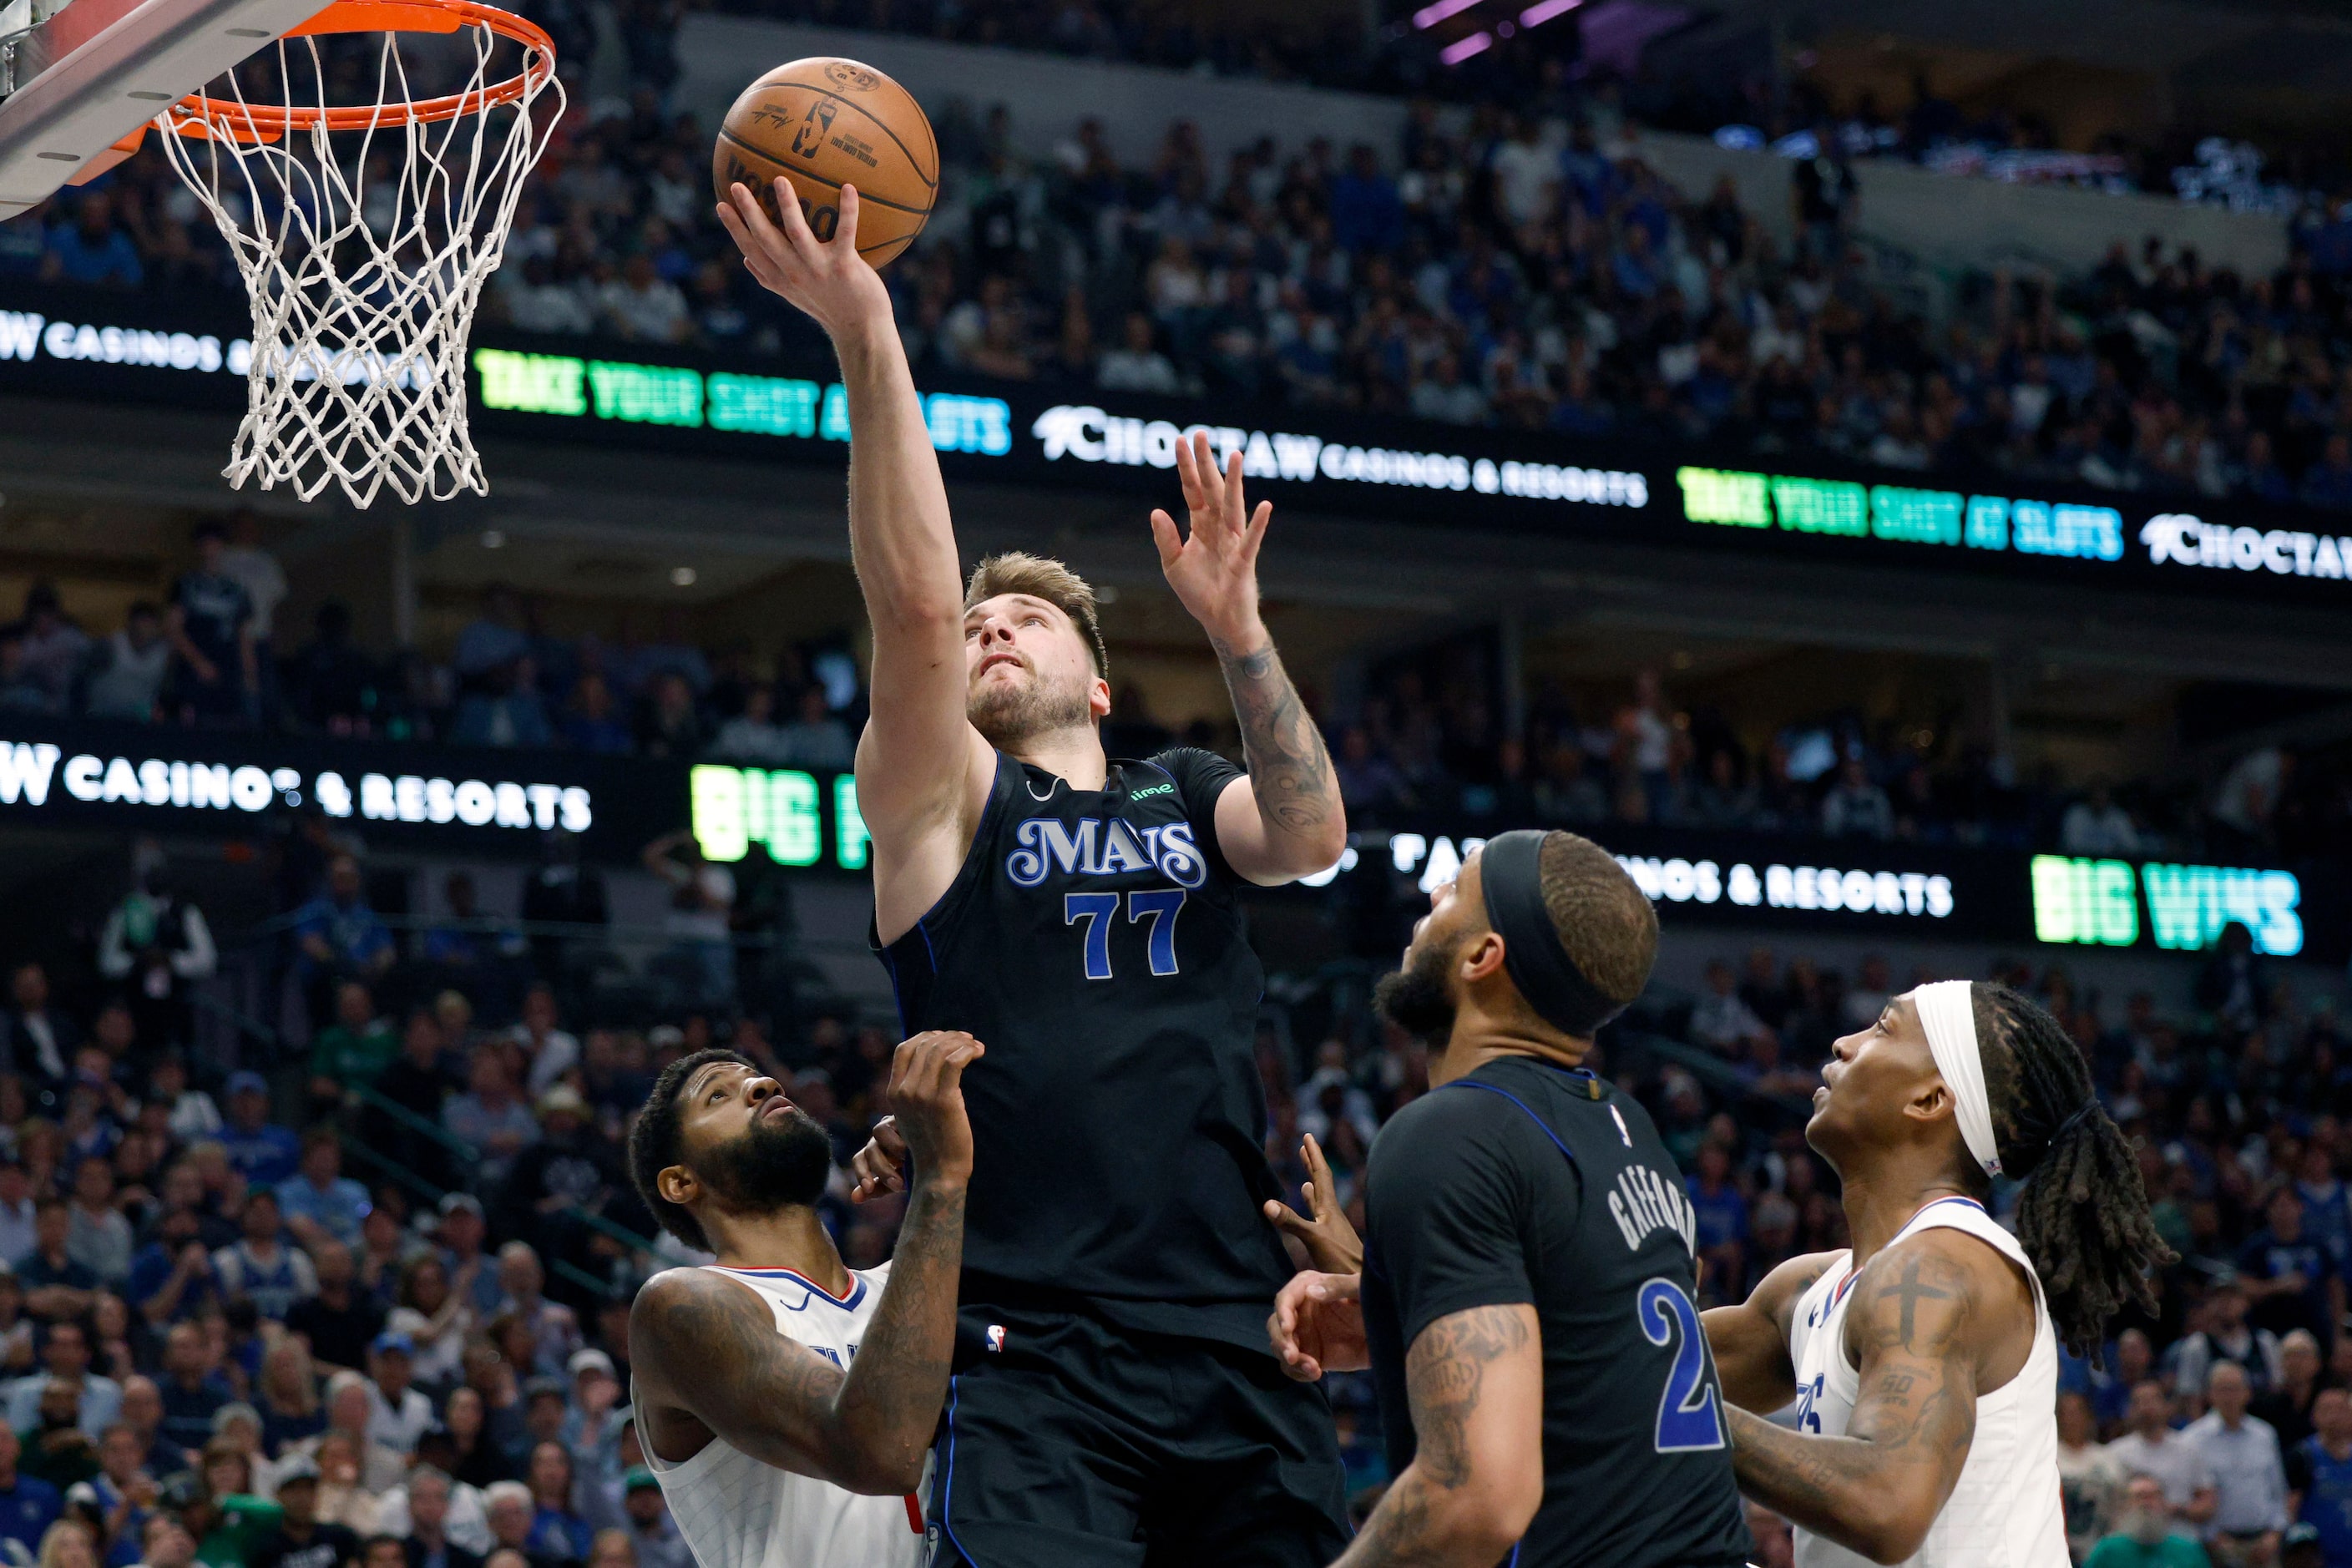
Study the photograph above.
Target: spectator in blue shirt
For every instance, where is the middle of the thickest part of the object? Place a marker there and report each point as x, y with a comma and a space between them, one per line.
337, 933
2328, 483
27, 1507
2290, 1279
91, 250
263, 1152
1722, 1219
321, 1203
172, 1277
193, 1391
1367, 214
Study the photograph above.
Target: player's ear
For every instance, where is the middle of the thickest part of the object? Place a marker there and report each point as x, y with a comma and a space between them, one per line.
1099, 697
1482, 956
1931, 1100
678, 1185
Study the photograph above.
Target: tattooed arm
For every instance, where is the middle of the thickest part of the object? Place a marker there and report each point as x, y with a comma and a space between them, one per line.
1287, 822
707, 1360
1932, 1322
1475, 1383
1751, 1341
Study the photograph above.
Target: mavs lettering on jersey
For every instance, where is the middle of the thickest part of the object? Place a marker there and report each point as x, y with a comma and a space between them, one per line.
1104, 846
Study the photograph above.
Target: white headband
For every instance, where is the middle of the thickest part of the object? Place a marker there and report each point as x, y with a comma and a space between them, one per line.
1949, 1017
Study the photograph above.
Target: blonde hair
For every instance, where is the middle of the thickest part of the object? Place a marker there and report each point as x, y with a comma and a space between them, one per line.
55, 1542
1041, 577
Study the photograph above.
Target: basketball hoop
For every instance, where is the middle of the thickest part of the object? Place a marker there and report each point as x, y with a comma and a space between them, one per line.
364, 273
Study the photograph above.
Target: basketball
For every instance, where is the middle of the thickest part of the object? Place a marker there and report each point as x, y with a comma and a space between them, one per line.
824, 122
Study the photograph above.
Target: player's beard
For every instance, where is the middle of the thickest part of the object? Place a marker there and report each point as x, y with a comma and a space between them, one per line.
765, 1168
1006, 716
1416, 998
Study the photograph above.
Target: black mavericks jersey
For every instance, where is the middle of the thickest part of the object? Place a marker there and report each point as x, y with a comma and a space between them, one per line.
1092, 941
1526, 1183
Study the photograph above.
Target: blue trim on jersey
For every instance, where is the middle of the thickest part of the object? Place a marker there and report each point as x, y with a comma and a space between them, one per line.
946, 1482
897, 1000
928, 951
856, 1285
1515, 1099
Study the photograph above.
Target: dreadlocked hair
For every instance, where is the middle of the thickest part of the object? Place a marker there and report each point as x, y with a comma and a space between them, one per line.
2083, 1215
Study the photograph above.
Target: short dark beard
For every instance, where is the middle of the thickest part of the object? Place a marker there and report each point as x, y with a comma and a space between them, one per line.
764, 1168
1416, 999
1007, 717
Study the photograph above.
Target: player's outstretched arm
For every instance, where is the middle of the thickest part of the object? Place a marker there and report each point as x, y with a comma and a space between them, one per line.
701, 1343
1475, 1381
1285, 821
1750, 1341
1923, 1315
920, 764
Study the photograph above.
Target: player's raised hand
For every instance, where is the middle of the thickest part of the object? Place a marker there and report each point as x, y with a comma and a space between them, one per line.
1332, 1242
925, 1096
827, 279
876, 1166
1214, 568
1318, 1326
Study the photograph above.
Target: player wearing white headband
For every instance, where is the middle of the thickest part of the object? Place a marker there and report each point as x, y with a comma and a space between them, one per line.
1924, 1363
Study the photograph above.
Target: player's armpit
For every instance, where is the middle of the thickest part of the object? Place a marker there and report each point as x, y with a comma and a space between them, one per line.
1475, 1381
1921, 1322
1750, 1341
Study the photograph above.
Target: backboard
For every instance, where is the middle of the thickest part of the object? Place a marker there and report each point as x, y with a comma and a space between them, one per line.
82, 77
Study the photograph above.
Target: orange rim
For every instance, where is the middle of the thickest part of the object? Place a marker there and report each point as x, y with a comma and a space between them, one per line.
201, 118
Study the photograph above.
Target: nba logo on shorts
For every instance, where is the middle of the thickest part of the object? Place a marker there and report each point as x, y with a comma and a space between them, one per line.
996, 1337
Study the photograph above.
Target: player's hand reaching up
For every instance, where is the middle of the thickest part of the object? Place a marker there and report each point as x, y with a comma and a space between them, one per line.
827, 279
879, 1164
925, 1096
1331, 1242
1318, 1326
1215, 568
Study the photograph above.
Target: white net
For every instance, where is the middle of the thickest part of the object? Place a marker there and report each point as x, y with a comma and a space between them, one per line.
365, 231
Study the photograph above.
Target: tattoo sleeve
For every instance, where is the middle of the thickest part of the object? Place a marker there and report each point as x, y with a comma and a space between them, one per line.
1917, 1325
1290, 770
1420, 1522
714, 1347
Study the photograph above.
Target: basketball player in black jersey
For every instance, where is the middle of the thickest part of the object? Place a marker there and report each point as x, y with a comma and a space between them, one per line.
1524, 1299
1113, 1402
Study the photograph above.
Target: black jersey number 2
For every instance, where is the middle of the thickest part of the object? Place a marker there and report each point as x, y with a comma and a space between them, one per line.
1160, 906
1688, 1417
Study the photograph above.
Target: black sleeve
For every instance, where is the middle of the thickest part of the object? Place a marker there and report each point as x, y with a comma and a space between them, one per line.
2298, 1469
1448, 1208
1201, 777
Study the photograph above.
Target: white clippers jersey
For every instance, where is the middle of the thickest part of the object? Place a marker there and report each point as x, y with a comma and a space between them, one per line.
736, 1511
2005, 1511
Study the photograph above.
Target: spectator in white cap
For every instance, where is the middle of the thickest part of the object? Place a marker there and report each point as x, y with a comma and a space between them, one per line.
592, 1419
397, 1414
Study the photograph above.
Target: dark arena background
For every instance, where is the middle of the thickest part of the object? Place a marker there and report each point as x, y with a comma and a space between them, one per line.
1884, 472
